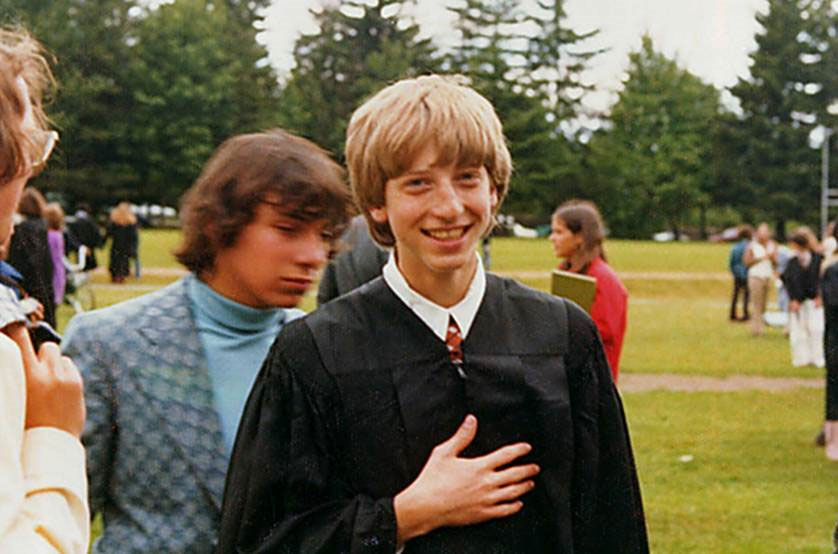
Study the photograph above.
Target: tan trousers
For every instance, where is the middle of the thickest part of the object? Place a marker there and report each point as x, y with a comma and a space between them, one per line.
758, 287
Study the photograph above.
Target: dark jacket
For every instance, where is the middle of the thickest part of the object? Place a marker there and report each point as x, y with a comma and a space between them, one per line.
86, 232
29, 253
359, 263
803, 283
353, 398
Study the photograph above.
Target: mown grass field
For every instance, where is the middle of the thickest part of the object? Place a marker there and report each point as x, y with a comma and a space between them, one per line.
754, 482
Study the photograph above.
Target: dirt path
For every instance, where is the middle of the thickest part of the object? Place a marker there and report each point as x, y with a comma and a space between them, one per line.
641, 382
647, 275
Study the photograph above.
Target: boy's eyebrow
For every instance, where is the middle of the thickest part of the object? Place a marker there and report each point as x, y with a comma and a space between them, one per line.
459, 167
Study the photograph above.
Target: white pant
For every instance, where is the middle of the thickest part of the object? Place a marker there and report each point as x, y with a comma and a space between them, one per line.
806, 335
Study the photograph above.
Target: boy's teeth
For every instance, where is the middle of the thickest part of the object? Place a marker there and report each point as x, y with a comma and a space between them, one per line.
449, 234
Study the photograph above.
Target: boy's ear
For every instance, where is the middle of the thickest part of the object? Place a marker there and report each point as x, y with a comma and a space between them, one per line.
493, 197
379, 214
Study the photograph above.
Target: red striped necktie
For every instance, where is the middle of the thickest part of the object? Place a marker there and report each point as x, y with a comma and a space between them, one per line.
453, 340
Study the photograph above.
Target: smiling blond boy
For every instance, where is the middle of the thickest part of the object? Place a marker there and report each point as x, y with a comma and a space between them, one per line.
437, 408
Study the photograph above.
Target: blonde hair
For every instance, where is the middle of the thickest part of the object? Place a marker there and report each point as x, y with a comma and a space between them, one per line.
54, 216
21, 57
122, 214
387, 132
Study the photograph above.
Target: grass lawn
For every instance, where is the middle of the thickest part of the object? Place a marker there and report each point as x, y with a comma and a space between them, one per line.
156, 246
513, 254
755, 483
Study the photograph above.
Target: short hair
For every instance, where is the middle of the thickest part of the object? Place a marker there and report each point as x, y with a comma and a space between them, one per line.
247, 170
389, 130
54, 216
582, 217
804, 237
32, 203
745, 232
20, 57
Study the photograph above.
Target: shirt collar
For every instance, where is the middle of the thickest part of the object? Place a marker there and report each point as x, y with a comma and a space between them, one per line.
433, 315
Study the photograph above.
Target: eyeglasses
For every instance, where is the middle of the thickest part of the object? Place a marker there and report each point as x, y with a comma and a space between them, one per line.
47, 139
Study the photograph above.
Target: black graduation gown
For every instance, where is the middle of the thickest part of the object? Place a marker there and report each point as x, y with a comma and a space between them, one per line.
87, 233
352, 399
123, 247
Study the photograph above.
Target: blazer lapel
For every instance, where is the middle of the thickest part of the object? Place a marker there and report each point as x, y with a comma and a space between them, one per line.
175, 381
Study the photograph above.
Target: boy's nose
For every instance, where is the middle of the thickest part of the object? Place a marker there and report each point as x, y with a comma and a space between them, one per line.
313, 252
447, 201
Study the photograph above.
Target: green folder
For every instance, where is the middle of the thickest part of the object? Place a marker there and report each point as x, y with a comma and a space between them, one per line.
574, 286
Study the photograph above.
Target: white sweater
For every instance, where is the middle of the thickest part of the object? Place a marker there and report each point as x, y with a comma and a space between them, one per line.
43, 487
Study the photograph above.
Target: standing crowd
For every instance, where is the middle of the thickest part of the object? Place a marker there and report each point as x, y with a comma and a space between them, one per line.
806, 274
429, 409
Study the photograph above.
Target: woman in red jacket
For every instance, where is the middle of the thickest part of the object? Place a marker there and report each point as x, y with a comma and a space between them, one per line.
577, 235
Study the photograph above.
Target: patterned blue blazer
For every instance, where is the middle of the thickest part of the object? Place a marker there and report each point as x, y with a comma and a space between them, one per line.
155, 454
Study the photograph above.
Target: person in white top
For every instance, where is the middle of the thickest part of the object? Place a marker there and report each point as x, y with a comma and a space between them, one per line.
43, 489
830, 243
760, 258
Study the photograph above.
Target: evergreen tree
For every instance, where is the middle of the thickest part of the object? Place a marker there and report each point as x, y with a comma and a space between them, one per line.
655, 163
88, 42
194, 81
356, 51
779, 108
146, 94
492, 53
556, 60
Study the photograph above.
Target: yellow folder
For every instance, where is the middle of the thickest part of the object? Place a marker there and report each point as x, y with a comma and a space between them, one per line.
574, 286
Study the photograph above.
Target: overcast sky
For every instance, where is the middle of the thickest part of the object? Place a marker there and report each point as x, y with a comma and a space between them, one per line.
711, 38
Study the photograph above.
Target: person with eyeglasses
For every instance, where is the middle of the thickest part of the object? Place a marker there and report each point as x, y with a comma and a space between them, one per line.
43, 488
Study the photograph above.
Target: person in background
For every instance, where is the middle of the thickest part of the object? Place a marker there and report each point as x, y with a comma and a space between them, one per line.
359, 260
577, 235
801, 278
54, 216
29, 251
122, 230
87, 233
43, 490
829, 293
486, 251
760, 258
829, 244
740, 273
167, 374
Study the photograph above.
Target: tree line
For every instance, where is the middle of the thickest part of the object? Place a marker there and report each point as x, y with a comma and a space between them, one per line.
147, 91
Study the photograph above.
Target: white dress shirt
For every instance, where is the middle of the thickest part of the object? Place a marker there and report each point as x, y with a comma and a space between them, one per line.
432, 314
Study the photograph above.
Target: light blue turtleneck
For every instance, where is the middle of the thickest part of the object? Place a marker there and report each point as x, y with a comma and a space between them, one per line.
236, 339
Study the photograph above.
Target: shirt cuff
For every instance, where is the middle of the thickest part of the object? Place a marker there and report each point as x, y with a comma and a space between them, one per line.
54, 459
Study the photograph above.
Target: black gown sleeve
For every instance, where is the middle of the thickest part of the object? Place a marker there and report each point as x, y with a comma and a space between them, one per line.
284, 491
607, 506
